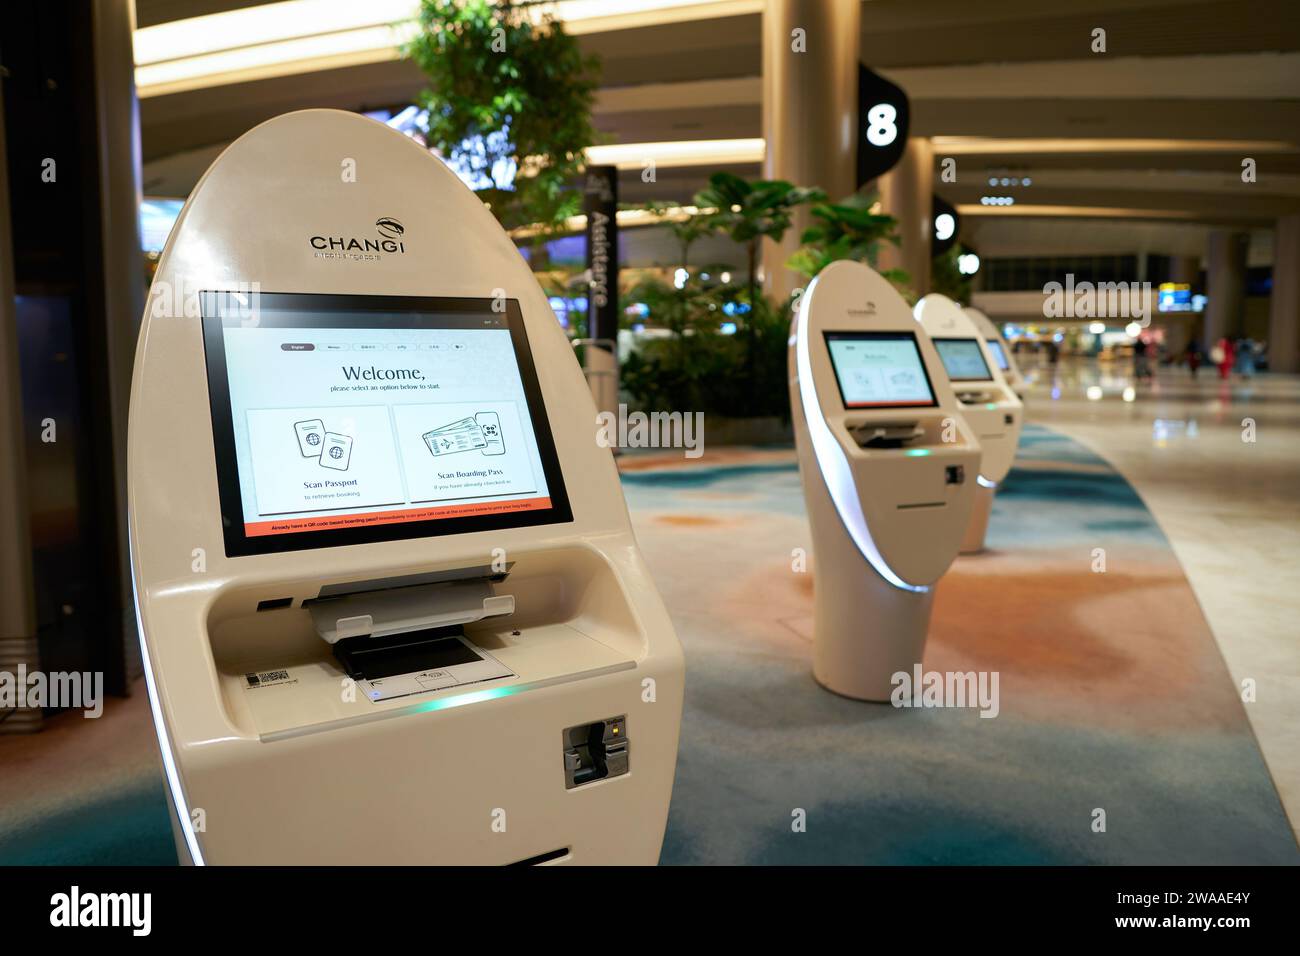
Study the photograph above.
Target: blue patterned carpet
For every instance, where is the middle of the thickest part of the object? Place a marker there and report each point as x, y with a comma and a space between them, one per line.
1113, 697
1113, 693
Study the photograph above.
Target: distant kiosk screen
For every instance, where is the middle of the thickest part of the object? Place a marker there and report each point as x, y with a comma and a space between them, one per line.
999, 355
963, 359
352, 419
879, 369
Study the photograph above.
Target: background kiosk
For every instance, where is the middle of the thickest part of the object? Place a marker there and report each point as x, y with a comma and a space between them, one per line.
888, 467
986, 401
1001, 351
390, 603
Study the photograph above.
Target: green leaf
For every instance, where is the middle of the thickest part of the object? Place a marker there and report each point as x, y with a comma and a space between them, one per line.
540, 90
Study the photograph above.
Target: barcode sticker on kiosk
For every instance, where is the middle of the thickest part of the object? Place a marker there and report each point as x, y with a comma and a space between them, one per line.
267, 679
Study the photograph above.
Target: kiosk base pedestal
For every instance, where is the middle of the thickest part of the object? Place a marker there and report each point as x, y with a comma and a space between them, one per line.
866, 630
973, 541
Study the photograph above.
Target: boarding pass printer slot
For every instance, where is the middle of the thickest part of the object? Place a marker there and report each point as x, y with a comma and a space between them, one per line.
409, 640
886, 434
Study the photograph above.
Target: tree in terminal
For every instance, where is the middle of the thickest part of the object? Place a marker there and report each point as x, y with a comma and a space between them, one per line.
508, 101
749, 211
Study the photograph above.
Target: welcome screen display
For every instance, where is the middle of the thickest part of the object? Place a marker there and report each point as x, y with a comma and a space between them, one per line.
351, 421
963, 359
999, 355
877, 370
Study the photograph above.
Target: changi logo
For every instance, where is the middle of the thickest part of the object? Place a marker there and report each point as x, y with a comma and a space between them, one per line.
390, 240
869, 310
389, 227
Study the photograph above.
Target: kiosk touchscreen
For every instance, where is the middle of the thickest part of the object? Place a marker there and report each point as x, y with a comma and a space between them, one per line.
1000, 350
391, 608
888, 467
985, 398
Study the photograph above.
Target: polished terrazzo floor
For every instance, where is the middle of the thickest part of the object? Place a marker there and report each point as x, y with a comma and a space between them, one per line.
1230, 508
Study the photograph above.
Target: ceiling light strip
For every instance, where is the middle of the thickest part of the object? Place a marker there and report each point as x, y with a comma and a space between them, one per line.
698, 152
990, 146
299, 36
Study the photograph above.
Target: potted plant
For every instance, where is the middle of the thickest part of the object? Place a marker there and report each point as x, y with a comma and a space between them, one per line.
849, 229
749, 211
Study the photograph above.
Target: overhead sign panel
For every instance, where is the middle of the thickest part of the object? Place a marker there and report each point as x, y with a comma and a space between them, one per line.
884, 117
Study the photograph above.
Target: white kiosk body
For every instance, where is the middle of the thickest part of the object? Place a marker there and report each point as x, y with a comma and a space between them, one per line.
1000, 349
391, 607
985, 398
888, 466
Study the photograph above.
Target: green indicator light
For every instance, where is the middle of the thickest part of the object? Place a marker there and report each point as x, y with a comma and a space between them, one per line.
917, 452
460, 700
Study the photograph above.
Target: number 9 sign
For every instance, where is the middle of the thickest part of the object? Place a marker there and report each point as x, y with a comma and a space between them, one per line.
947, 225
883, 116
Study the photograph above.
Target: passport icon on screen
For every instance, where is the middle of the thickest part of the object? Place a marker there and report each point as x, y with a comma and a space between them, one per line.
311, 435
336, 452
328, 449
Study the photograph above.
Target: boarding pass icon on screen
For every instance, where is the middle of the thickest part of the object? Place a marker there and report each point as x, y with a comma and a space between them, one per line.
481, 433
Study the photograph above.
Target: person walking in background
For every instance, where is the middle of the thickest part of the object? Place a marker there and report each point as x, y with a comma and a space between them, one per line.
1141, 365
1193, 356
1223, 356
1246, 357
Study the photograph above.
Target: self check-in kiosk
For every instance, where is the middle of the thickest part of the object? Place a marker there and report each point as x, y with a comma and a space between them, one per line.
985, 399
1001, 351
888, 466
391, 606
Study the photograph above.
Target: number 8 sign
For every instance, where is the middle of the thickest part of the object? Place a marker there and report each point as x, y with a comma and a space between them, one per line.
881, 127
883, 116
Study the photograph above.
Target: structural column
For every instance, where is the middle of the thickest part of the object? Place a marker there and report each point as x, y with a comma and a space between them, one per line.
1184, 269
17, 607
810, 88
117, 119
1181, 327
1225, 285
1284, 305
906, 193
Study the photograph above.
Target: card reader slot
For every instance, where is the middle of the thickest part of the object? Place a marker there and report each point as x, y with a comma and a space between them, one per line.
374, 658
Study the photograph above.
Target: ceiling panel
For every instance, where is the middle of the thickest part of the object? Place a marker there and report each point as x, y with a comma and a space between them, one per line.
1015, 69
